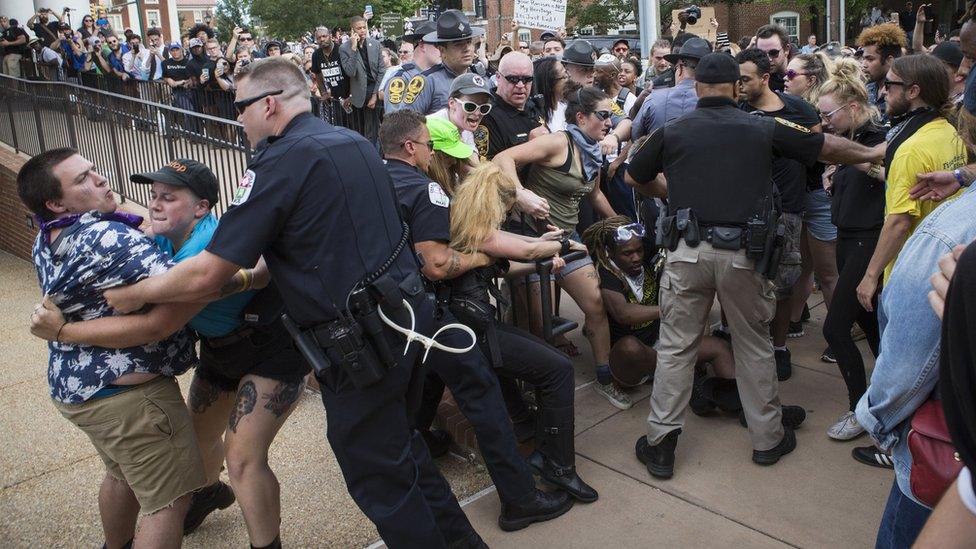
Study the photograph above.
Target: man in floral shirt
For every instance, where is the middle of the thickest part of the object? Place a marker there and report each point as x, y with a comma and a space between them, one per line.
126, 400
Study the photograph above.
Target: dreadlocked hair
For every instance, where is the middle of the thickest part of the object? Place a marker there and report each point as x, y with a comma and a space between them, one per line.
599, 240
479, 206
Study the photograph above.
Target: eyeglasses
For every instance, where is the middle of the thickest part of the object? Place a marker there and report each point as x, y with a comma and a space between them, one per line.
514, 79
773, 54
626, 232
470, 107
428, 144
889, 83
602, 115
830, 114
243, 104
791, 74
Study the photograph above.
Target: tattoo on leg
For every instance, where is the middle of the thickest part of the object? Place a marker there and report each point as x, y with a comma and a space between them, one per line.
282, 397
247, 396
202, 395
591, 274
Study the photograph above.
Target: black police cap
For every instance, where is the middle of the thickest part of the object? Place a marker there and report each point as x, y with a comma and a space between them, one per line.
580, 52
717, 68
184, 173
452, 26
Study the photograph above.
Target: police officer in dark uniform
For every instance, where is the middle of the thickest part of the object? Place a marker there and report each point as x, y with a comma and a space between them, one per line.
396, 87
317, 203
513, 117
454, 36
721, 229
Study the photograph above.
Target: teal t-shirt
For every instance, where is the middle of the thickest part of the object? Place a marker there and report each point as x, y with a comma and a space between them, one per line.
218, 318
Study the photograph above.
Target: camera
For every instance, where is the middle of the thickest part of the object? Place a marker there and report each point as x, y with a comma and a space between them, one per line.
691, 14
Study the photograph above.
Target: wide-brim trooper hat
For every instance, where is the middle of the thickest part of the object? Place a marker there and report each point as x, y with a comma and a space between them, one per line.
580, 52
422, 30
452, 26
694, 48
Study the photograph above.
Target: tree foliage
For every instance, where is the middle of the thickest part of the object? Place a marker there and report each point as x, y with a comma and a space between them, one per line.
230, 14
289, 20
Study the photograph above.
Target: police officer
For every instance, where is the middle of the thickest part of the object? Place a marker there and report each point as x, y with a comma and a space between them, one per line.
316, 202
579, 58
425, 56
425, 206
717, 160
513, 118
428, 92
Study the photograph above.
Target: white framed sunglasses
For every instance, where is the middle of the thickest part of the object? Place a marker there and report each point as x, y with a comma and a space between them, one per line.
471, 106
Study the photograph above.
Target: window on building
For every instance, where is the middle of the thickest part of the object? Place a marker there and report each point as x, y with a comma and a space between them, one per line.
789, 20
152, 18
525, 35
115, 20
481, 9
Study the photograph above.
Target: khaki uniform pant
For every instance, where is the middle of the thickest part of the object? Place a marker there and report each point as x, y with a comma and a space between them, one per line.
11, 64
690, 281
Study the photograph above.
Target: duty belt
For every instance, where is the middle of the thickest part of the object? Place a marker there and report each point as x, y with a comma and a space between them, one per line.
236, 336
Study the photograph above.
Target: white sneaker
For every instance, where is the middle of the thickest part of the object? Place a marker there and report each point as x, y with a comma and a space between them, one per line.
613, 393
846, 428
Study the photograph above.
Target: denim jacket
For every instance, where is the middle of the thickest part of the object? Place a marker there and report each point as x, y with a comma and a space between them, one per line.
907, 368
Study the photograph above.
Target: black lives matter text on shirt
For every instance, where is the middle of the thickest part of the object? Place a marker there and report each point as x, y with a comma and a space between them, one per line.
790, 176
13, 33
328, 67
176, 70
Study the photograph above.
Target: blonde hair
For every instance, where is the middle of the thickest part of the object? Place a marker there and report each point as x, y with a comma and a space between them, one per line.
479, 206
819, 66
446, 170
846, 84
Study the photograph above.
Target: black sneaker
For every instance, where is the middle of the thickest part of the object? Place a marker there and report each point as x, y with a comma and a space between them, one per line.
784, 369
658, 459
805, 315
540, 506
871, 455
438, 442
793, 417
771, 456
796, 330
206, 500
828, 356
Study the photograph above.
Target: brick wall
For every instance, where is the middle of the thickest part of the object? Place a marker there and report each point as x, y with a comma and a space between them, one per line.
17, 232
741, 20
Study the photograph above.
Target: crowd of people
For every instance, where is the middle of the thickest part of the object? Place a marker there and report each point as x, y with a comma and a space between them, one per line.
756, 172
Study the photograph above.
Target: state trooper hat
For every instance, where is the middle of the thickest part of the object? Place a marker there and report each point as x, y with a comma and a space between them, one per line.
184, 173
452, 26
717, 68
694, 48
469, 83
422, 30
580, 52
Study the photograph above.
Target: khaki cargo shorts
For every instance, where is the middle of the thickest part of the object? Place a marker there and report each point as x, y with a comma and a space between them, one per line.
145, 437
790, 262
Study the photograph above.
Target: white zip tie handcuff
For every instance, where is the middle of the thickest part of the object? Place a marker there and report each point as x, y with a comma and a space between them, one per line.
427, 342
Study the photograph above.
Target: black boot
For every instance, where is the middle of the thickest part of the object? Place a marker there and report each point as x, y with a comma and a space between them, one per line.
205, 501
540, 506
557, 454
438, 442
723, 393
659, 459
700, 404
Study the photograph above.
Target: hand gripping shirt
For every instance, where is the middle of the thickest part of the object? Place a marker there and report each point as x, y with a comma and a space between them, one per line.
86, 259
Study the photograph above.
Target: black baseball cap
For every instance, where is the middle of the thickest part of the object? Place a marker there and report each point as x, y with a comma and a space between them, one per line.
547, 35
717, 68
949, 53
184, 173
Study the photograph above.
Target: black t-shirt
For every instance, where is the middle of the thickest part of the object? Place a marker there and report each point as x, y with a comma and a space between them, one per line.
858, 200
777, 81
211, 69
664, 80
44, 37
176, 70
790, 176
329, 68
423, 203
504, 127
316, 202
195, 67
646, 332
13, 33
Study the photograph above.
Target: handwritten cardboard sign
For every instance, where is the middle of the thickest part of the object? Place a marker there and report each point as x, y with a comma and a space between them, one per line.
541, 14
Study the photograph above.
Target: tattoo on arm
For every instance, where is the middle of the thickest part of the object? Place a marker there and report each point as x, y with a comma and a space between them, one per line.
247, 396
282, 396
202, 395
232, 286
455, 265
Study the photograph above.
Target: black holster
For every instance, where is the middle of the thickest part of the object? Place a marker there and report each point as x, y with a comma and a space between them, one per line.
772, 233
667, 235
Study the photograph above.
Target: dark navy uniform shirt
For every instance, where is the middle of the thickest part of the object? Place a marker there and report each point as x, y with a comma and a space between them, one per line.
317, 202
423, 203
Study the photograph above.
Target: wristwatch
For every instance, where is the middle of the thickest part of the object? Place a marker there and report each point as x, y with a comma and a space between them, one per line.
960, 178
564, 249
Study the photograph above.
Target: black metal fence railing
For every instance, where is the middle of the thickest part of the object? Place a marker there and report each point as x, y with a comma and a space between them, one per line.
121, 133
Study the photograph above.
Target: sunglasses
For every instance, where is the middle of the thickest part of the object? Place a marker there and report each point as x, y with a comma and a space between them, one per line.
428, 144
791, 74
626, 232
470, 107
243, 104
889, 83
621, 48
602, 115
514, 79
773, 54
247, 39
830, 114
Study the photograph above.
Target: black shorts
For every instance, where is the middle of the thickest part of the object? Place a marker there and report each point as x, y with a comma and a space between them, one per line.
266, 351
647, 335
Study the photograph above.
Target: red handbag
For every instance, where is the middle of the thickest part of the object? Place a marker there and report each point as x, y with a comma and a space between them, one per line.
935, 462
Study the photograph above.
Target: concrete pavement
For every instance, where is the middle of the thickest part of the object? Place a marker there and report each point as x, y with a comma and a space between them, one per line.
816, 497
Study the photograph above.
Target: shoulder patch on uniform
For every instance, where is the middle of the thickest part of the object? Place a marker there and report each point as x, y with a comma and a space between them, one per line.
793, 125
437, 195
396, 87
481, 140
414, 88
615, 109
244, 187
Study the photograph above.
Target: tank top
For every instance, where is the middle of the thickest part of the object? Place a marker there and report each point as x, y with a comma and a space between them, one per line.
562, 187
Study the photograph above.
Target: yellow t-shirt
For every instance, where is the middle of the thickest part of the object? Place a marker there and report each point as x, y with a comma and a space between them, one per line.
934, 147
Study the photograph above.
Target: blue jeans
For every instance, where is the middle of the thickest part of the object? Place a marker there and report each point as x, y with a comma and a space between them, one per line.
902, 521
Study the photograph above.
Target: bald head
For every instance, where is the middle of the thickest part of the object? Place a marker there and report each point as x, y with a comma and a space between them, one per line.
515, 79
515, 60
